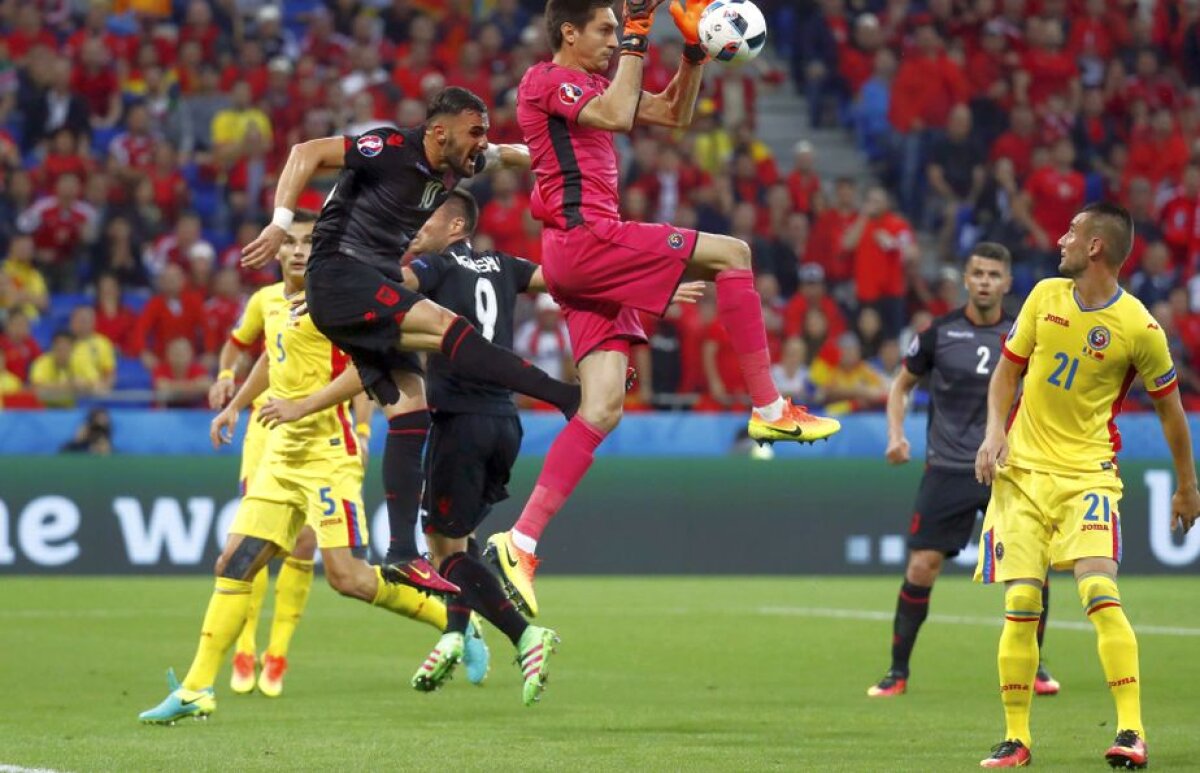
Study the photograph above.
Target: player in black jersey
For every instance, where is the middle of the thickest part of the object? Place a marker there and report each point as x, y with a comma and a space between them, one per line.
475, 437
957, 354
391, 182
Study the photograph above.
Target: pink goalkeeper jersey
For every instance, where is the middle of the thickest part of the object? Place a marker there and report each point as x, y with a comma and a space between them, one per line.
575, 167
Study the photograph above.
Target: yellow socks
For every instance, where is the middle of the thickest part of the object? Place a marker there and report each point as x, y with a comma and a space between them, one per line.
1018, 658
1117, 645
410, 602
222, 622
247, 640
291, 596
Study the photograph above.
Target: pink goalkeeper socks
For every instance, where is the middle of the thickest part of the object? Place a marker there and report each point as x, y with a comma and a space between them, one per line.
739, 308
568, 461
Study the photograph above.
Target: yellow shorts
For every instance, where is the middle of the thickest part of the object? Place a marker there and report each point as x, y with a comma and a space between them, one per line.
285, 495
1037, 520
253, 447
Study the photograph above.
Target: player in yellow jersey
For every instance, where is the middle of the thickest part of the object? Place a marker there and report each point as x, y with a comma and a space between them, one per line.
311, 472
294, 581
1078, 342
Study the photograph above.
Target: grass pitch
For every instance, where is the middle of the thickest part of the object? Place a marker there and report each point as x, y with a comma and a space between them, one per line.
652, 674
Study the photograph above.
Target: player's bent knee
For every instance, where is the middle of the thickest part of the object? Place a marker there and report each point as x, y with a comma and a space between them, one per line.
604, 417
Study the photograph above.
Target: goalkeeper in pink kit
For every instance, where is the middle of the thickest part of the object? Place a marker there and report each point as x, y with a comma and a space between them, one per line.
603, 270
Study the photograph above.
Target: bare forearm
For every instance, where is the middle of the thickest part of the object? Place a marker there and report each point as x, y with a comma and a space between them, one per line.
682, 91
256, 383
623, 94
514, 156
302, 164
1001, 391
338, 391
231, 358
897, 406
1179, 439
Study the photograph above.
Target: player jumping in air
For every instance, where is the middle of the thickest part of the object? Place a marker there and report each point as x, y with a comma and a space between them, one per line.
310, 474
957, 353
1078, 343
603, 271
475, 437
391, 182
295, 578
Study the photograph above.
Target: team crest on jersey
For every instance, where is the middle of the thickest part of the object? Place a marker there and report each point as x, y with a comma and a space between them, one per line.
1099, 338
675, 240
569, 93
370, 145
999, 551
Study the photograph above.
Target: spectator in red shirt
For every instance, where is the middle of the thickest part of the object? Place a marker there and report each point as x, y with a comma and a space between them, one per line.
199, 26
803, 182
168, 315
174, 248
322, 42
223, 308
131, 152
927, 85
1160, 154
501, 216
64, 158
249, 67
1178, 218
812, 295
829, 230
883, 243
114, 320
856, 63
1046, 67
61, 224
1051, 197
28, 33
180, 381
20, 348
95, 80
1018, 142
992, 60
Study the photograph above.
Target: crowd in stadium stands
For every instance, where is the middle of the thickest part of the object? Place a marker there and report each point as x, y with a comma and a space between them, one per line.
140, 139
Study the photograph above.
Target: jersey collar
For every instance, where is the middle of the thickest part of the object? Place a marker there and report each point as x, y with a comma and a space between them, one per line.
1101, 307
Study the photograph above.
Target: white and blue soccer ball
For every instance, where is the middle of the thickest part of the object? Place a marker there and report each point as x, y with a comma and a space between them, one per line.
733, 30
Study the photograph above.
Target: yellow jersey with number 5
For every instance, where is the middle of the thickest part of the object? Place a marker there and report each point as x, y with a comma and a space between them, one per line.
1080, 363
300, 362
249, 329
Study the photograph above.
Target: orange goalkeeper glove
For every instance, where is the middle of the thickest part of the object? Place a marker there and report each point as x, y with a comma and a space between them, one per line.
639, 17
686, 14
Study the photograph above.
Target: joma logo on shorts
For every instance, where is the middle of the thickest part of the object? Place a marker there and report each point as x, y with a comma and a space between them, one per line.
1094, 527
330, 521
1011, 687
1125, 681
1057, 320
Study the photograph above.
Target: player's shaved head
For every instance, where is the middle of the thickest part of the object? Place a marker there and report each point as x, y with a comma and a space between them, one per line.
577, 13
1113, 226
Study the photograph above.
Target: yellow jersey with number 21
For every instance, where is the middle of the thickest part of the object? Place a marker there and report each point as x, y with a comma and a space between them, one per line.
1080, 363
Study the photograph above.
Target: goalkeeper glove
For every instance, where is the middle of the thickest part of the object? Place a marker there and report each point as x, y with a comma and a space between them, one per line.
686, 14
639, 17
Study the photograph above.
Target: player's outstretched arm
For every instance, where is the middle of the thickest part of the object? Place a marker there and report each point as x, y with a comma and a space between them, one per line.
676, 104
515, 157
220, 432
303, 162
1002, 390
1185, 504
278, 411
616, 109
898, 449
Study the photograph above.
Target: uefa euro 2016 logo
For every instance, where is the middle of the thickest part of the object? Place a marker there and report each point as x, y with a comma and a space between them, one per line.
1098, 337
675, 240
370, 145
569, 93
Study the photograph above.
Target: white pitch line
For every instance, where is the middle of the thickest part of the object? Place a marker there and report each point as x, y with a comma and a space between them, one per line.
989, 622
18, 769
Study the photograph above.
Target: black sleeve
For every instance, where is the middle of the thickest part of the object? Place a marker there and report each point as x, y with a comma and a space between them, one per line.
919, 358
377, 151
430, 270
522, 270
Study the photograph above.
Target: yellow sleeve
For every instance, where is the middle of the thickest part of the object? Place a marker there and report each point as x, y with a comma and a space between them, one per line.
108, 357
224, 127
9, 384
250, 327
42, 372
820, 372
1152, 358
1021, 338
84, 369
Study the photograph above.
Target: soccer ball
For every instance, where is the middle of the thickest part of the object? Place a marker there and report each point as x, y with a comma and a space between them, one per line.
733, 30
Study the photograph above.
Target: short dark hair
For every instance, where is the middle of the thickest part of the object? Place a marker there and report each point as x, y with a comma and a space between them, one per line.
61, 333
574, 12
305, 216
468, 208
992, 251
1114, 225
454, 100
